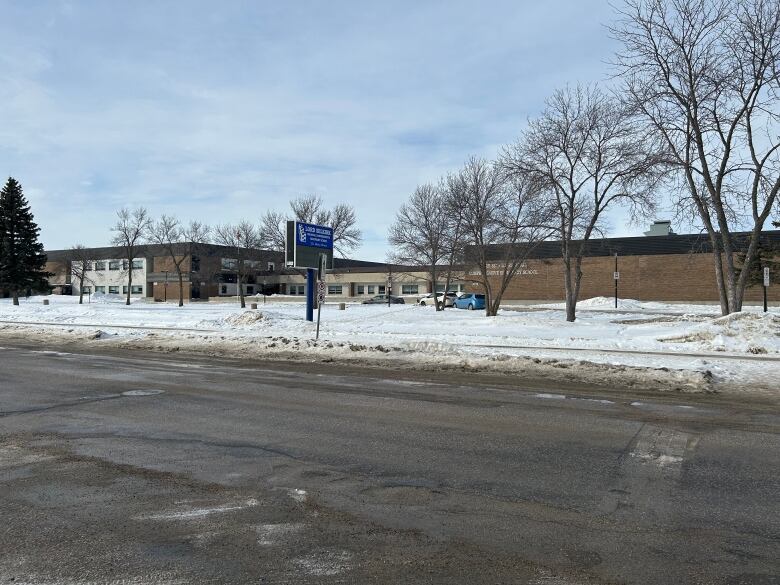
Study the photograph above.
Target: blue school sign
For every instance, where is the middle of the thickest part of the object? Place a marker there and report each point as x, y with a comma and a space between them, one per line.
306, 243
315, 236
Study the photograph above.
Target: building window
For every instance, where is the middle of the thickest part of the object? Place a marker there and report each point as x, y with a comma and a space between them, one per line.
113, 290
124, 290
229, 263
370, 289
100, 265
296, 289
409, 289
138, 264
100, 289
334, 289
223, 289
86, 290
195, 264
361, 289
137, 290
113, 264
381, 289
271, 267
250, 290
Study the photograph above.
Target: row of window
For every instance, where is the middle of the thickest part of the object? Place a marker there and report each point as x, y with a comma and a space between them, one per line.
232, 264
250, 289
360, 289
114, 290
370, 289
99, 265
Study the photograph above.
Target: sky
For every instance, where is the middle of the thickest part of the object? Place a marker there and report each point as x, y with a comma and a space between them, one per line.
218, 111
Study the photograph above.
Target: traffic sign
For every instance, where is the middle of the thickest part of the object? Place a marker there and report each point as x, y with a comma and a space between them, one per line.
616, 275
766, 276
321, 290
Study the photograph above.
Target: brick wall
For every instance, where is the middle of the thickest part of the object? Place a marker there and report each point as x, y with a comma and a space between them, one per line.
173, 290
165, 263
672, 277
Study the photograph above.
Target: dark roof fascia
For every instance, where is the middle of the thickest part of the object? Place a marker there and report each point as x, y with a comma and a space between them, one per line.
147, 250
643, 245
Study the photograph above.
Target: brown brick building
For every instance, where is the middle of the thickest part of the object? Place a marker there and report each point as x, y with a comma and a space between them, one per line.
652, 268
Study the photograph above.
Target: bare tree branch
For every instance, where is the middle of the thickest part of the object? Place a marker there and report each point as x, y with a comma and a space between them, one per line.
583, 155
704, 76
129, 233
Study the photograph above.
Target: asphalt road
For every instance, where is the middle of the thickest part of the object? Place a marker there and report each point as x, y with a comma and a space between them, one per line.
148, 468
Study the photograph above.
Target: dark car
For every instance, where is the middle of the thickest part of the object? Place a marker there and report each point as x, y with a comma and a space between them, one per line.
382, 300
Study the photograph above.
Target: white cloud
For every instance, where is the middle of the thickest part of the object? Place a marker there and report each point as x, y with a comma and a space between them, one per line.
218, 112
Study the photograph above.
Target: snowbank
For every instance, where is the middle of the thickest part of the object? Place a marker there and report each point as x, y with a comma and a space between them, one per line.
669, 349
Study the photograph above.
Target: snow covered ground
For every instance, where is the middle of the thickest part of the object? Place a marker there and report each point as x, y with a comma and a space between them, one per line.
682, 346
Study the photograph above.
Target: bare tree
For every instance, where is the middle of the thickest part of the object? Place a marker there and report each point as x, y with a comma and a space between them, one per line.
80, 266
272, 230
311, 209
129, 233
171, 235
503, 220
242, 238
585, 154
419, 232
704, 75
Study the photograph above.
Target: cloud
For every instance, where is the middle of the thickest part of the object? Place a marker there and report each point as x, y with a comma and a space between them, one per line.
218, 112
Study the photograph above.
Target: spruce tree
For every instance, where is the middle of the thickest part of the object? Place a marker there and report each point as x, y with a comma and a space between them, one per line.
22, 259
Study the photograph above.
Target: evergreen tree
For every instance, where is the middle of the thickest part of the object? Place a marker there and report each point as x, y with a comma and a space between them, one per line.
21, 254
767, 256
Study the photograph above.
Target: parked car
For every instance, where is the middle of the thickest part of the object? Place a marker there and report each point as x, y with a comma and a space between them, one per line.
448, 299
382, 300
470, 301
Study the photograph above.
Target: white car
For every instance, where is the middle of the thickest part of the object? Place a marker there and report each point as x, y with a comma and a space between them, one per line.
447, 299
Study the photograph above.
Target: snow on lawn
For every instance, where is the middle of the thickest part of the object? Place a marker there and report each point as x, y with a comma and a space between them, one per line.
663, 337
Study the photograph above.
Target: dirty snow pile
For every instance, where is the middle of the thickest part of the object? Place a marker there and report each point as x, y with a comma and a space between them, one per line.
739, 332
684, 342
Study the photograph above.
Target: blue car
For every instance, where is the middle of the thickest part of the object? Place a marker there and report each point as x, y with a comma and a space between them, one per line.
470, 301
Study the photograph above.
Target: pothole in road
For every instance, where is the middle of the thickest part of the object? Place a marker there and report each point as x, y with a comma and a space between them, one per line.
146, 392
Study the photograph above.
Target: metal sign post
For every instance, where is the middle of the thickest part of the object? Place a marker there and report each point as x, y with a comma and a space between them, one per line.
320, 301
616, 276
766, 285
321, 289
311, 283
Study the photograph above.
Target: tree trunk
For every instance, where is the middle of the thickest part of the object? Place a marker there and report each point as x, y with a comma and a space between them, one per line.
129, 281
435, 294
719, 282
741, 282
181, 287
568, 285
241, 292
16, 297
81, 290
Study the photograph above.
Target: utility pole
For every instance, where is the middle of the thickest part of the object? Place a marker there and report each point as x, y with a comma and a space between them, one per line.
165, 288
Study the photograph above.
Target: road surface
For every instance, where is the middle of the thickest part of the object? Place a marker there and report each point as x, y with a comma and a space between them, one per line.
149, 468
